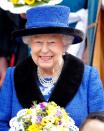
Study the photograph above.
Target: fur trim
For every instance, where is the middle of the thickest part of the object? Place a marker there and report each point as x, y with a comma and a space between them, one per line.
27, 91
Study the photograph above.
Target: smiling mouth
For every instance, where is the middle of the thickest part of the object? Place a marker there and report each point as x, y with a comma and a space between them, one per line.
46, 58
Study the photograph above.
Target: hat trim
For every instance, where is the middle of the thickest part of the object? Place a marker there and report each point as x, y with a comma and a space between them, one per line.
77, 34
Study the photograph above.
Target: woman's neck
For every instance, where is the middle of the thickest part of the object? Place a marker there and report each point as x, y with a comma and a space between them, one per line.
51, 72
46, 72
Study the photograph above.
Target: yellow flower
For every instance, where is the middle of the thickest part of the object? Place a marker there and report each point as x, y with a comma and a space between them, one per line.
14, 1
29, 111
51, 111
65, 129
44, 121
51, 108
34, 127
29, 2
56, 120
52, 104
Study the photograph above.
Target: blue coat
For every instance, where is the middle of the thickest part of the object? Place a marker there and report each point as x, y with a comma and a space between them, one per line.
88, 97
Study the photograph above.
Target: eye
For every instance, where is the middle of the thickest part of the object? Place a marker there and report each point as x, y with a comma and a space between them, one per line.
51, 43
38, 43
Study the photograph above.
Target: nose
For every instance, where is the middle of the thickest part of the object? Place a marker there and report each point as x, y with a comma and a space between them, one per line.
45, 48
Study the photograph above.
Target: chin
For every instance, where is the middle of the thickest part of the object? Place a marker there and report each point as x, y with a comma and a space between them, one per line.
46, 66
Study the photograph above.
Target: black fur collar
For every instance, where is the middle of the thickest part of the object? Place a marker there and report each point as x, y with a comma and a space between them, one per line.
25, 76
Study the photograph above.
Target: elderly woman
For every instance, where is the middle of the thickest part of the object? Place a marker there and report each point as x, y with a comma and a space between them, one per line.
50, 74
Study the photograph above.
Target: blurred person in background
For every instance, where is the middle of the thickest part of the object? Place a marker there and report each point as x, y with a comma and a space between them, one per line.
11, 51
94, 122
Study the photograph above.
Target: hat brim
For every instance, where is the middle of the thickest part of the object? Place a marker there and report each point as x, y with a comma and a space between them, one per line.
8, 6
77, 34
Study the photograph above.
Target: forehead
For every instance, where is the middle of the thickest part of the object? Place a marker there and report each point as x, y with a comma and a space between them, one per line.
41, 36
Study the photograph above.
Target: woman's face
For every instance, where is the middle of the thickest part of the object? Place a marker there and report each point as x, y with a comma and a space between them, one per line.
93, 125
47, 50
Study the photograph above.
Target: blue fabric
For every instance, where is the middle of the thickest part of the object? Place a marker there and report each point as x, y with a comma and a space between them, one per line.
89, 98
74, 5
59, 16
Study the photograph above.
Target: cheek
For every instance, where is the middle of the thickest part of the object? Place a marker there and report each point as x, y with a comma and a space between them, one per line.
34, 54
34, 57
34, 50
59, 50
58, 55
61, 47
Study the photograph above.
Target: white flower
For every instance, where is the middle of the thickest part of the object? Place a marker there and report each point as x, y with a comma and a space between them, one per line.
33, 119
12, 129
13, 122
74, 128
21, 2
50, 119
21, 113
15, 125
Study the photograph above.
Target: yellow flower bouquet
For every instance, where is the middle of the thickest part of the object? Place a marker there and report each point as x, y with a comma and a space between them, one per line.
43, 117
21, 6
28, 2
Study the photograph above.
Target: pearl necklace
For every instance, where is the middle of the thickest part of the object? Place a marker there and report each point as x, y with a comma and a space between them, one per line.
51, 80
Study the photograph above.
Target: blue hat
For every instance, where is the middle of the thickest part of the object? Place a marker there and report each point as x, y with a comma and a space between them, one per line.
47, 20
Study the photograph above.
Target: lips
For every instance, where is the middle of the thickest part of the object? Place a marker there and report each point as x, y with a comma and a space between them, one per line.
46, 58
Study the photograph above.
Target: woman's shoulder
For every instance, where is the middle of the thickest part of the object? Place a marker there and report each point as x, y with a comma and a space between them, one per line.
95, 89
89, 70
91, 76
9, 72
8, 81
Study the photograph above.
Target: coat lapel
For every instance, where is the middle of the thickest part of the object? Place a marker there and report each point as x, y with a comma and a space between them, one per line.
25, 76
69, 81
25, 83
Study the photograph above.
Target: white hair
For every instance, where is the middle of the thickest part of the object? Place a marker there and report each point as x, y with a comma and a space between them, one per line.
67, 40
